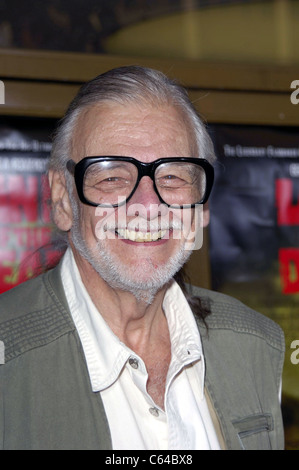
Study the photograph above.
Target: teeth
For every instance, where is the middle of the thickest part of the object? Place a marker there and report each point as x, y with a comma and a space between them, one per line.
134, 236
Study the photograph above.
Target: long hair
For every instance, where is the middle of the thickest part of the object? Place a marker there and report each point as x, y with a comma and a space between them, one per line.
200, 307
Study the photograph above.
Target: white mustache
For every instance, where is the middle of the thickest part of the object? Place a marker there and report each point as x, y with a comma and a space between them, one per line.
143, 225
138, 217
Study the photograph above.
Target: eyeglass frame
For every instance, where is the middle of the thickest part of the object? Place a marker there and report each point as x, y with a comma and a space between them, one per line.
144, 169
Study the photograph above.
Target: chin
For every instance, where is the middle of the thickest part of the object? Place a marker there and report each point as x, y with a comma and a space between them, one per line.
143, 278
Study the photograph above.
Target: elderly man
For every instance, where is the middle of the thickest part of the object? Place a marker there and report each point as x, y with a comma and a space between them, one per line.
109, 350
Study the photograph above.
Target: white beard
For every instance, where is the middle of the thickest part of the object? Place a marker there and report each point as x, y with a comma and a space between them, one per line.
118, 275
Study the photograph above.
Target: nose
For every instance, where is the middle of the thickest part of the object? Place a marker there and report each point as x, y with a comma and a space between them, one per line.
145, 200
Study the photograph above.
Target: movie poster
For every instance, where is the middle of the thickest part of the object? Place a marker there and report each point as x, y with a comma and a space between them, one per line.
254, 236
25, 222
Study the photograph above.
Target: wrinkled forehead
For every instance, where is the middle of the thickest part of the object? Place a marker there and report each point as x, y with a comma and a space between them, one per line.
132, 130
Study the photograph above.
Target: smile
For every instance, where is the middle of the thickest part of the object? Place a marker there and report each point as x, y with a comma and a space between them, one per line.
141, 237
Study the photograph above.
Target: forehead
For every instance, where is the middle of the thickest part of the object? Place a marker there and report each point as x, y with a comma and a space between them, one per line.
131, 130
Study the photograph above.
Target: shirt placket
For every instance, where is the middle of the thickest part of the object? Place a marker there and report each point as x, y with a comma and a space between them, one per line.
176, 436
152, 413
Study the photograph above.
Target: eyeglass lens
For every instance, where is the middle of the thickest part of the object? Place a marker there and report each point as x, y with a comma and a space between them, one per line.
112, 182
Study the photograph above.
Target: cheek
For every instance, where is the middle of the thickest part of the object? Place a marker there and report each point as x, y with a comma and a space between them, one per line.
104, 223
194, 224
88, 223
193, 219
185, 223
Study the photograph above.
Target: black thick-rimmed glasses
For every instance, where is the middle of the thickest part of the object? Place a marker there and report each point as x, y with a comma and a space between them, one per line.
111, 181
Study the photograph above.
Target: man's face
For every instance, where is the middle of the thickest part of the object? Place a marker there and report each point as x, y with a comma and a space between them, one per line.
145, 133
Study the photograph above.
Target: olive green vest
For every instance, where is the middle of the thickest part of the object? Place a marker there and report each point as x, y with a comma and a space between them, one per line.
46, 401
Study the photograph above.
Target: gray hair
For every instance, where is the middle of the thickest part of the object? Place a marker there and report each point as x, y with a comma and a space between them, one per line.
124, 85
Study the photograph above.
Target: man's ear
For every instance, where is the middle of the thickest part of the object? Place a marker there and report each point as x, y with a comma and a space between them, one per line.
61, 206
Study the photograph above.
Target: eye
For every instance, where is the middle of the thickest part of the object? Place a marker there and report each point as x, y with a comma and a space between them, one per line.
111, 183
171, 181
170, 177
111, 179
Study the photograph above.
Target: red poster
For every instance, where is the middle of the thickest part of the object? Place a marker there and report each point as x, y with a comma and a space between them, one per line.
25, 222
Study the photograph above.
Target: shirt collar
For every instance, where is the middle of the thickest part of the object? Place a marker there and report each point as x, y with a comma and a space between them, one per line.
186, 346
105, 354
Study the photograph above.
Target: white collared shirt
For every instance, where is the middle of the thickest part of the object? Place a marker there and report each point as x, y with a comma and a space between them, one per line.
120, 375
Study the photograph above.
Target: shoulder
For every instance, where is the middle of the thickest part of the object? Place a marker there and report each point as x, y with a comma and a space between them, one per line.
33, 314
228, 313
22, 299
39, 293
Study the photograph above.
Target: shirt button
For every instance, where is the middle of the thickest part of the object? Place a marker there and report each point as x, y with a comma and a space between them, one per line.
133, 362
154, 412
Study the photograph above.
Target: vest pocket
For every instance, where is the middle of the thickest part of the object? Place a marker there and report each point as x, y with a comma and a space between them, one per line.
253, 431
